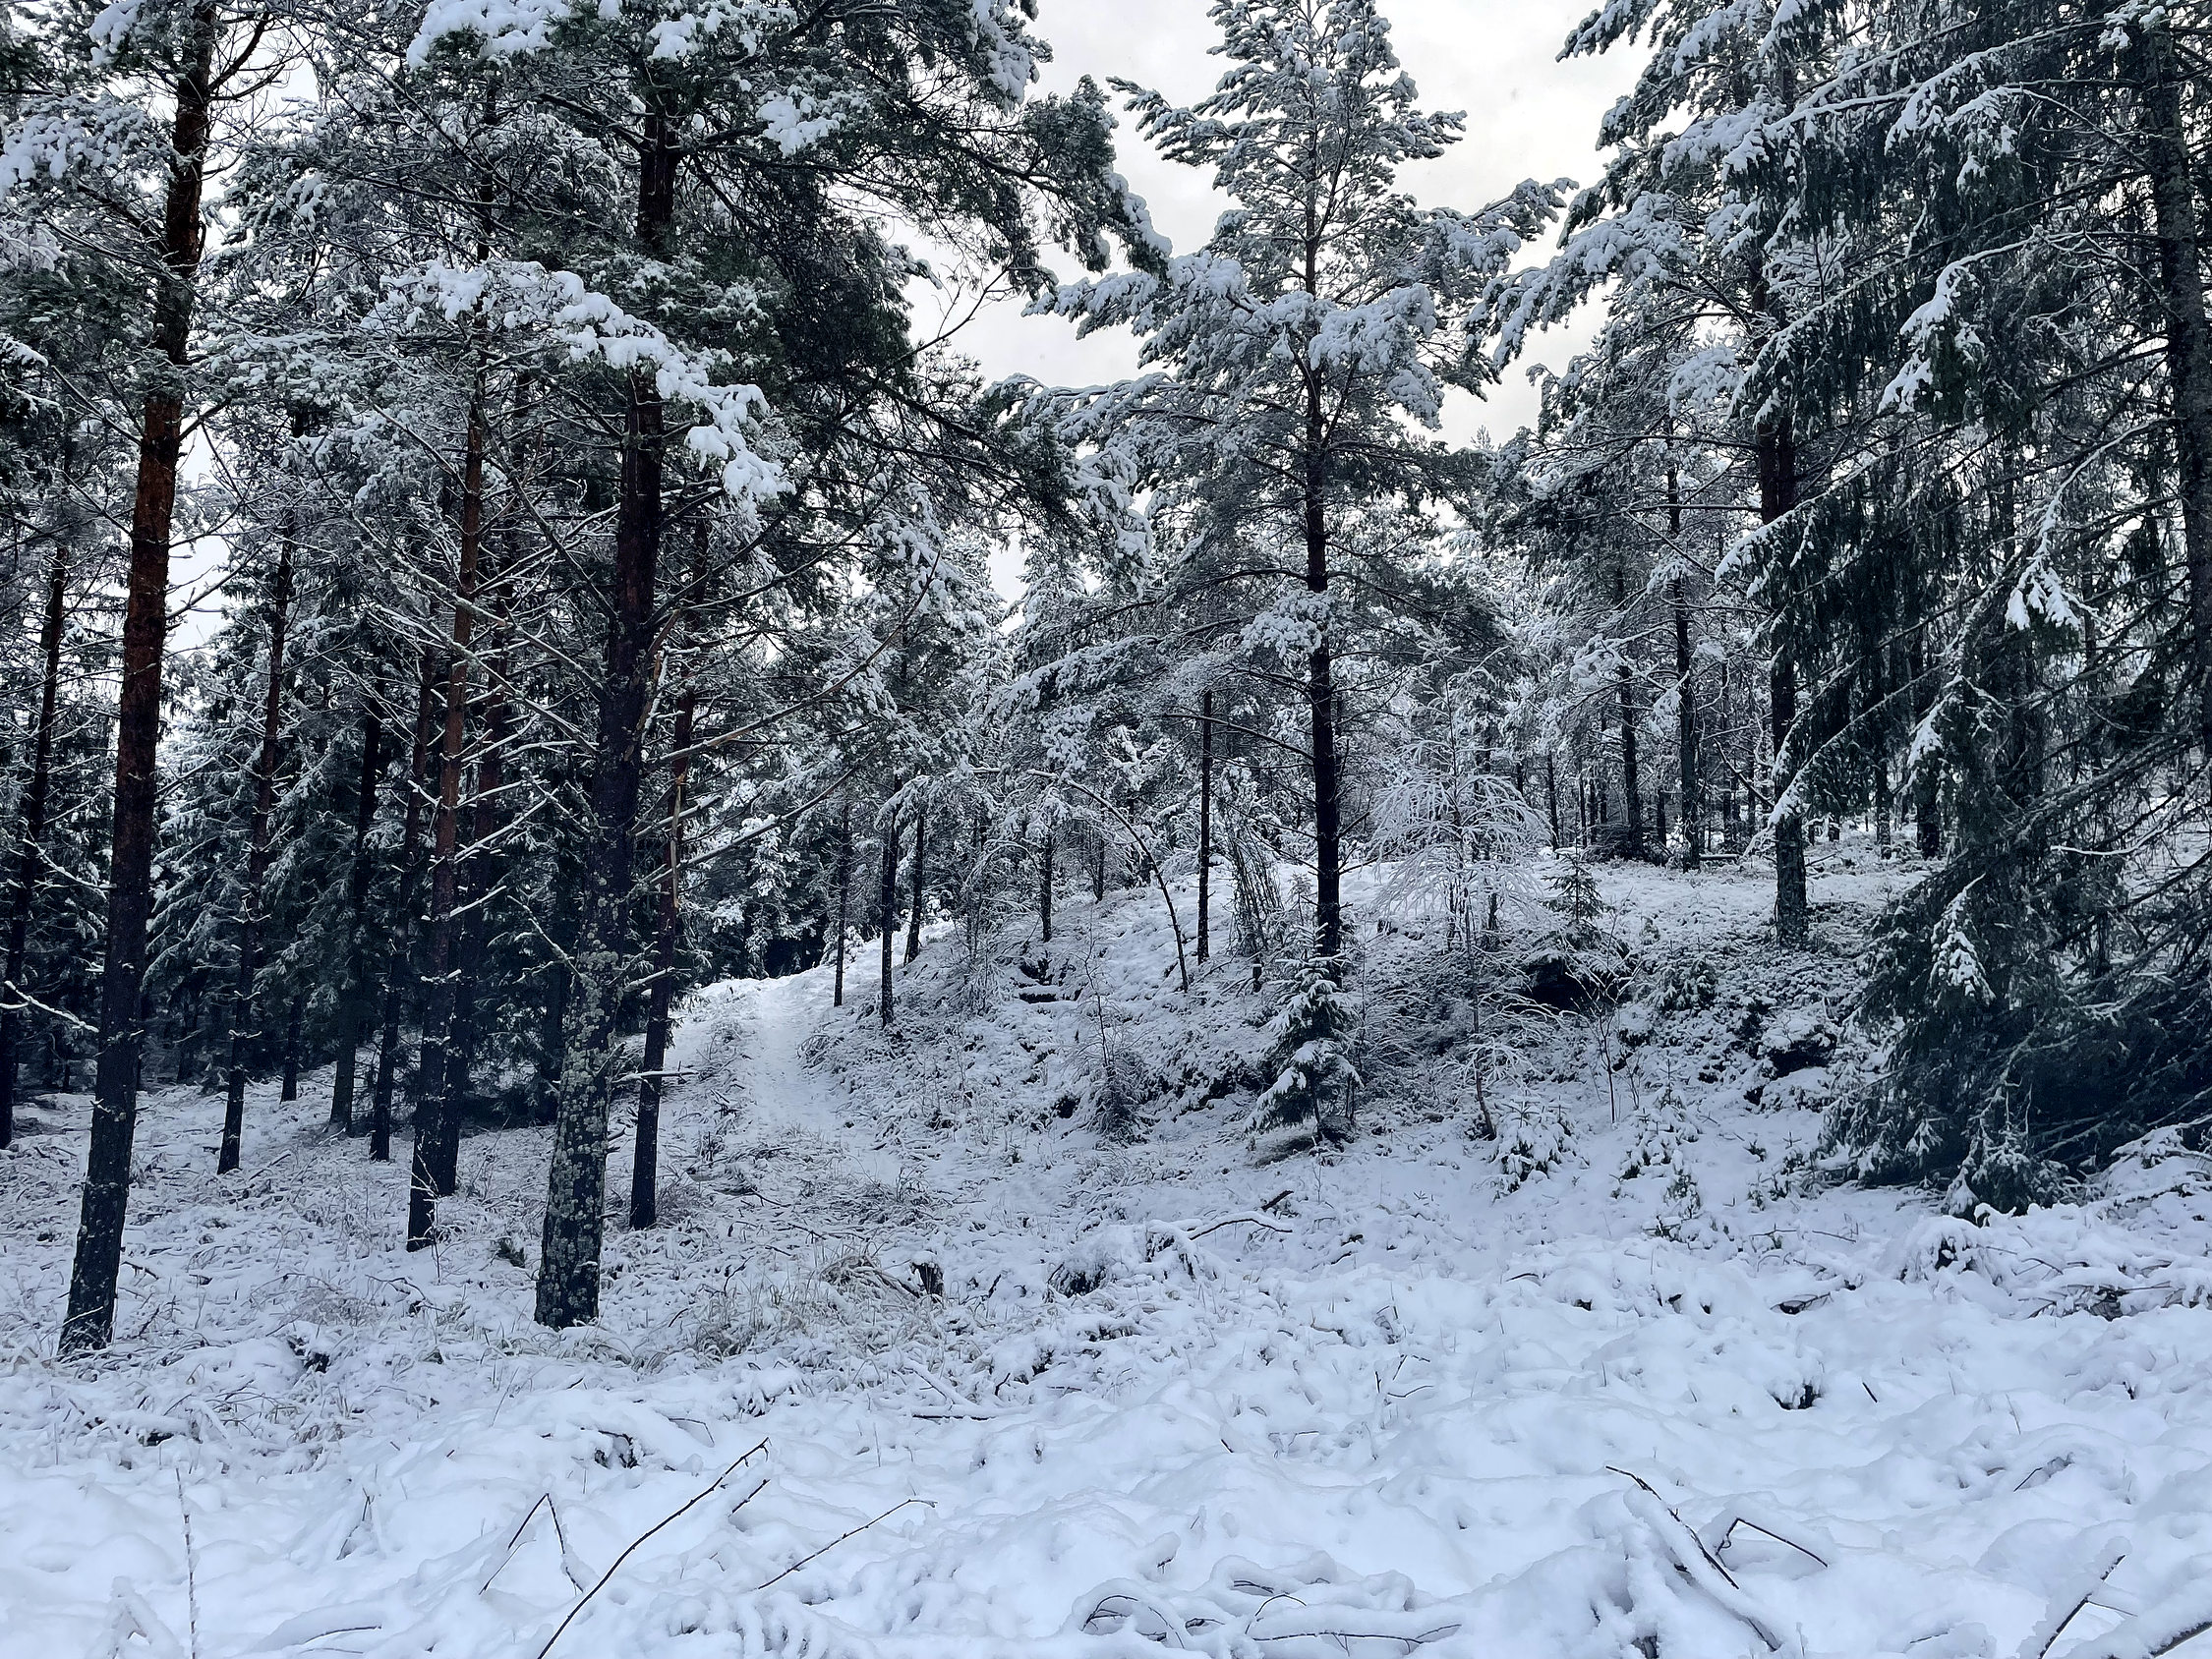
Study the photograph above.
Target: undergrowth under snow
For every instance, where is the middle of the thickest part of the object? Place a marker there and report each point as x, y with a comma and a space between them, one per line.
1629, 1379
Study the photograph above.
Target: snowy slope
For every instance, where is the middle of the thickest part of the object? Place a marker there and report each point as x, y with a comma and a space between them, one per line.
1663, 1395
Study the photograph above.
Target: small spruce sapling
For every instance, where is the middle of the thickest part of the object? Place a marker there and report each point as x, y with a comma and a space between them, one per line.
1309, 1051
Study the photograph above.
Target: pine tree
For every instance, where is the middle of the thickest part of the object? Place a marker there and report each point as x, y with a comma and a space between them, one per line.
1293, 354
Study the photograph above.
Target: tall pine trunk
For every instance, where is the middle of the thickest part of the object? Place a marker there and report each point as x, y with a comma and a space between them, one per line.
845, 894
1927, 800
399, 959
479, 877
289, 1089
424, 1185
1776, 454
1685, 697
90, 1318
30, 845
887, 914
1320, 707
645, 1161
1205, 817
2188, 337
922, 877
568, 1270
1044, 886
251, 906
358, 872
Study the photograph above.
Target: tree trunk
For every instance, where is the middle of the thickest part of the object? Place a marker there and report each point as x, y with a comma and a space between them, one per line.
31, 842
1044, 887
576, 1185
1692, 814
1552, 797
358, 875
1777, 452
2188, 336
1321, 703
399, 960
1098, 870
424, 1185
920, 884
887, 913
1205, 817
480, 876
289, 1089
130, 899
1631, 779
645, 1162
844, 893
251, 906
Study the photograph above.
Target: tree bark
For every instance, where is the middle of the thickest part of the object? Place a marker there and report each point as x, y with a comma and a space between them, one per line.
1205, 818
90, 1318
2188, 337
1776, 454
845, 894
1927, 799
1692, 814
251, 905
1044, 887
480, 876
887, 914
920, 883
289, 1089
645, 1161
399, 960
424, 1185
30, 845
1320, 702
568, 1270
358, 875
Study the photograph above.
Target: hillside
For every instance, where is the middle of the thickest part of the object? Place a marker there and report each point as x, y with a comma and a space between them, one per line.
1631, 1378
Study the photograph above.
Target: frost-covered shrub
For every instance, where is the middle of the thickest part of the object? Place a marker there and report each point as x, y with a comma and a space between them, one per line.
1682, 1215
1309, 1054
1687, 983
1126, 1081
1532, 1139
1658, 1135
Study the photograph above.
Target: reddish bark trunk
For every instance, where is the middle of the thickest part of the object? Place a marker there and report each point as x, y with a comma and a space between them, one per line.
90, 1318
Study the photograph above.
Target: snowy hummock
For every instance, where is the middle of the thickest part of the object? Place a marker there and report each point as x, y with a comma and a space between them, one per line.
1619, 1382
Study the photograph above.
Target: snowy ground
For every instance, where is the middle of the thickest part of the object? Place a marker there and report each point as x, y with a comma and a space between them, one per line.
1623, 1382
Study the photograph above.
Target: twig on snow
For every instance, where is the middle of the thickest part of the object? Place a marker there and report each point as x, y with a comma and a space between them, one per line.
835, 1543
584, 1600
190, 1569
1253, 1219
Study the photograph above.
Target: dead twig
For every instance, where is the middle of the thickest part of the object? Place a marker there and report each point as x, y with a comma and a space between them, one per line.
835, 1543
584, 1600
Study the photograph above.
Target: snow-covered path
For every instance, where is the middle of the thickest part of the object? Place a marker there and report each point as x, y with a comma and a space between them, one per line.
1831, 1426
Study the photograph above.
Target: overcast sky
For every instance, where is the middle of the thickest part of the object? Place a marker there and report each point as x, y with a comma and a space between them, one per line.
1528, 116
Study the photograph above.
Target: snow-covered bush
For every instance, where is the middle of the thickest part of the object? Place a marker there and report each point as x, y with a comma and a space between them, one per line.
1532, 1138
1309, 1053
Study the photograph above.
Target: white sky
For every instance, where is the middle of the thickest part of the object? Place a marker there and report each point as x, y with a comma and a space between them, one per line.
1528, 116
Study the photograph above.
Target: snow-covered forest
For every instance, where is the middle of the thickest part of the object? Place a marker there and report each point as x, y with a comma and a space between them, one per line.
684, 976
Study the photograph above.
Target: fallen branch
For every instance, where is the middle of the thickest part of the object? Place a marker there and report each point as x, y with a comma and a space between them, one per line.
1251, 1219
1697, 1563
